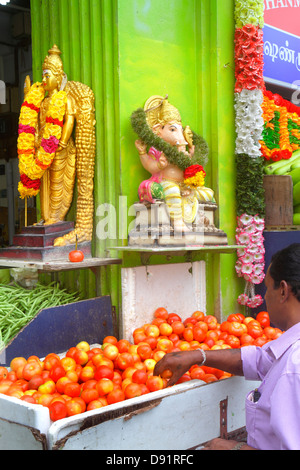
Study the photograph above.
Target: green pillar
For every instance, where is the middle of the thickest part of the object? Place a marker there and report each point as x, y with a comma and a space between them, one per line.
128, 50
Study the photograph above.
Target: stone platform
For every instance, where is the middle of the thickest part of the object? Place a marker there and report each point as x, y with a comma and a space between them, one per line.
35, 242
153, 227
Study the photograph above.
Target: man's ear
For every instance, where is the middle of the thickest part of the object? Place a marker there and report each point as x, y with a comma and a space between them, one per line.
284, 291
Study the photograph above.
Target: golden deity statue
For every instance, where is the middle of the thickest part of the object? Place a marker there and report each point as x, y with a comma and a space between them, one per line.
71, 156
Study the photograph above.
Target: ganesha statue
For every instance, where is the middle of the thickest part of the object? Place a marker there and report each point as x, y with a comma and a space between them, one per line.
175, 157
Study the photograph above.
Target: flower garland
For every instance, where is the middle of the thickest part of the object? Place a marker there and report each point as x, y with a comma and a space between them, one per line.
281, 133
32, 164
250, 264
180, 159
249, 52
249, 88
194, 176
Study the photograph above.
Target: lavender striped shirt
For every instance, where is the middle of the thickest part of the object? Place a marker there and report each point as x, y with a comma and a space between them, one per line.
273, 422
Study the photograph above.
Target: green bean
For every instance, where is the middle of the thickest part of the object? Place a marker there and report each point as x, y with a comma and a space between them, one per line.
18, 305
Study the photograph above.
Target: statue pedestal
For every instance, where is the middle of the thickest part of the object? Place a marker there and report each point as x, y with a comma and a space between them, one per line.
35, 242
153, 227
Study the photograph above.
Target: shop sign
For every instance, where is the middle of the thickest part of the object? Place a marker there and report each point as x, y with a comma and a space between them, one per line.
282, 42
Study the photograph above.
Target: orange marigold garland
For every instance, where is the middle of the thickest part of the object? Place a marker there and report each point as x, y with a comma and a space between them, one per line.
194, 176
32, 164
281, 135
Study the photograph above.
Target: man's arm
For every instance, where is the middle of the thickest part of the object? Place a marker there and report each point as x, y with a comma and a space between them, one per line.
180, 362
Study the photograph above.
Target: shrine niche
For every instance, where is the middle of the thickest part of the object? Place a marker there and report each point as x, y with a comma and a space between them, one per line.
175, 207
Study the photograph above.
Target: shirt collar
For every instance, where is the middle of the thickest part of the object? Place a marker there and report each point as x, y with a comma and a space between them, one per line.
281, 344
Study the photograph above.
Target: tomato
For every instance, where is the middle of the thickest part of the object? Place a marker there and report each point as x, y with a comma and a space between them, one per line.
68, 363
236, 317
173, 317
224, 326
124, 360
110, 339
260, 341
50, 361
72, 389
12, 376
209, 342
3, 373
81, 357
81, 402
237, 328
115, 396
199, 315
28, 399
165, 329
73, 407
17, 362
161, 312
178, 327
57, 372
184, 378
213, 334
144, 351
254, 329
188, 334
57, 410
278, 333
209, 378
132, 390
154, 383
233, 341
87, 373
263, 318
197, 373
95, 404
211, 321
104, 386
89, 384
71, 352
246, 339
76, 256
199, 333
35, 382
223, 335
123, 345
89, 395
190, 320
61, 384
104, 372
165, 345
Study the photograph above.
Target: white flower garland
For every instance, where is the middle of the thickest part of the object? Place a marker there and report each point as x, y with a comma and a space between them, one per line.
249, 122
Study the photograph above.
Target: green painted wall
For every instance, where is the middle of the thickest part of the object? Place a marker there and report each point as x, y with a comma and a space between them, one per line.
128, 50
185, 49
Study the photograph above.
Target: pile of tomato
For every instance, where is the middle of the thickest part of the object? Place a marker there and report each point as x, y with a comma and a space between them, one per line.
87, 378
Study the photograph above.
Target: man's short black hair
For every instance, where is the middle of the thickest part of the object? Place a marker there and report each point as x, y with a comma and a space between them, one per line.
285, 266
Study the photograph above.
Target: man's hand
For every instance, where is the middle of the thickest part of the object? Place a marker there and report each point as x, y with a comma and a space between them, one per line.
178, 363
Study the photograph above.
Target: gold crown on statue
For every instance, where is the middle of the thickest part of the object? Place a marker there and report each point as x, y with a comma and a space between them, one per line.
160, 111
53, 61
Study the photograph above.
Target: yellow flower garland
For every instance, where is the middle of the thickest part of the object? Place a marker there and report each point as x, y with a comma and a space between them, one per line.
32, 165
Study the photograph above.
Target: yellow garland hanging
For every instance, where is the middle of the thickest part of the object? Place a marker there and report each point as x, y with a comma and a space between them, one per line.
32, 165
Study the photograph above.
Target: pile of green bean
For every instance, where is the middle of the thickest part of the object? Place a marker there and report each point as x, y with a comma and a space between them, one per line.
19, 305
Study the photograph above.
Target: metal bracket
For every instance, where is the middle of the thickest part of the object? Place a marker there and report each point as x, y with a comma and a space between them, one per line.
223, 419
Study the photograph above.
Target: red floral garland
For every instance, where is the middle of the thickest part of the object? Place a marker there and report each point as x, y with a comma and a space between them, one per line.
249, 58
